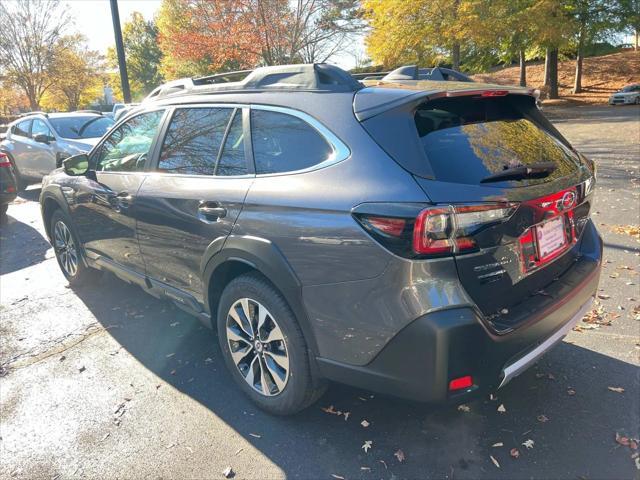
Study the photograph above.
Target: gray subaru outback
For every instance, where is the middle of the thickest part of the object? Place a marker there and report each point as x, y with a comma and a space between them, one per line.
428, 240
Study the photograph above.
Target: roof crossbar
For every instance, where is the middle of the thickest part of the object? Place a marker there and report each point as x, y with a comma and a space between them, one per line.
314, 76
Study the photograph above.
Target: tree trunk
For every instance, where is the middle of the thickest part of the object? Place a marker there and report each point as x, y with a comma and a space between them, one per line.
553, 72
547, 58
635, 46
455, 56
577, 84
523, 69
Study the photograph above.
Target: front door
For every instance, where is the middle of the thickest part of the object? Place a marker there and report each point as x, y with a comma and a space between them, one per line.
195, 194
44, 154
104, 208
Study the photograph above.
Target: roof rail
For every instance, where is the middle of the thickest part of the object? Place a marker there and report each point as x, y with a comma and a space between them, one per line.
37, 112
89, 111
313, 76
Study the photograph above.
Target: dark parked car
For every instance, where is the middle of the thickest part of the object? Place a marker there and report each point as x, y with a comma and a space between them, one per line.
429, 244
8, 187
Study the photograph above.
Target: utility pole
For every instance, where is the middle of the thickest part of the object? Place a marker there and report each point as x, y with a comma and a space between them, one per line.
122, 65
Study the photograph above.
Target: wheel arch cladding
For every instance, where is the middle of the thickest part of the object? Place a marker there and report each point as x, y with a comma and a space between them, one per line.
242, 254
50, 203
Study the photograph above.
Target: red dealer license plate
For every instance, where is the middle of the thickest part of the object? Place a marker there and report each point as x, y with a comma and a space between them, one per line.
551, 238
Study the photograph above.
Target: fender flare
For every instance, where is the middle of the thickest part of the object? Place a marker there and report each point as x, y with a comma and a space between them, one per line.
54, 192
265, 257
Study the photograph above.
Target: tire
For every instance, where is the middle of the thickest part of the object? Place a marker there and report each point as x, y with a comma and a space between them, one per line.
289, 384
68, 252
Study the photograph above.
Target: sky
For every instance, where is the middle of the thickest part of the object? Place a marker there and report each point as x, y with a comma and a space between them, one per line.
93, 20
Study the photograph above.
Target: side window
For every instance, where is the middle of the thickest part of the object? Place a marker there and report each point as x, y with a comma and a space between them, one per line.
39, 127
22, 129
193, 140
284, 143
127, 147
232, 161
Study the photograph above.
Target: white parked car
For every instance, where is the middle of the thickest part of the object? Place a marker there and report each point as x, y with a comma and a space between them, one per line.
629, 94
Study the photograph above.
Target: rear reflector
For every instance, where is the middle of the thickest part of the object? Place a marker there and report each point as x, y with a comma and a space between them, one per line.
460, 383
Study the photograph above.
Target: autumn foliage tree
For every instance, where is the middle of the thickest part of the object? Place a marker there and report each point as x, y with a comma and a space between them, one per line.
199, 36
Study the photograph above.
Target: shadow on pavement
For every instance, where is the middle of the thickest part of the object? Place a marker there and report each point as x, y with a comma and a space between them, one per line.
577, 440
21, 245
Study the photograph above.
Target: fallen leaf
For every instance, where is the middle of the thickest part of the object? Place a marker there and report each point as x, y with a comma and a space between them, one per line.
501, 408
464, 408
514, 452
399, 455
616, 389
227, 472
495, 462
337, 477
346, 415
384, 463
366, 469
364, 423
499, 444
543, 418
571, 392
367, 445
81, 369
603, 296
528, 443
331, 410
255, 435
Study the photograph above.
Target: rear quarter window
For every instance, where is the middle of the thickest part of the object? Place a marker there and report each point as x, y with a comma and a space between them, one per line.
285, 143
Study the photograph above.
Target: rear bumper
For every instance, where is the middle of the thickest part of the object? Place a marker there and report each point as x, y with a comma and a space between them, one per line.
419, 362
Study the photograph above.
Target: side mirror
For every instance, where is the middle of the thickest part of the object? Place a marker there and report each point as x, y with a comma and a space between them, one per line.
77, 165
43, 138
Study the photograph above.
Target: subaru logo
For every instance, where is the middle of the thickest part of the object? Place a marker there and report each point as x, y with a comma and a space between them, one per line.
567, 201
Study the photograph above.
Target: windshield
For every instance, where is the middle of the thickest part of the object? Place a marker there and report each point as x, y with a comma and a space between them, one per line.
630, 88
81, 126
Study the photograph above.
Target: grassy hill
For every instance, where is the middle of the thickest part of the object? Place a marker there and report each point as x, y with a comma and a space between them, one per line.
600, 78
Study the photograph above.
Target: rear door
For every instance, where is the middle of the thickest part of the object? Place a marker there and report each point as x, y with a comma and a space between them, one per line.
195, 192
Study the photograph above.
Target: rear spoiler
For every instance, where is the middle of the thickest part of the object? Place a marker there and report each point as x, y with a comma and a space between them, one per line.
372, 101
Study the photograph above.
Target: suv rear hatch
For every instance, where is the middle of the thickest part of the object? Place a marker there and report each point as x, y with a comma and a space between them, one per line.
510, 196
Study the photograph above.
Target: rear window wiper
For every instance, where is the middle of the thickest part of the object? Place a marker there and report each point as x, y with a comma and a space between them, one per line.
533, 170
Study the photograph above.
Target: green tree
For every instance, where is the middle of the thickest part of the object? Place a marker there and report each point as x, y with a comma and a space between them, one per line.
75, 72
592, 20
426, 32
142, 53
628, 17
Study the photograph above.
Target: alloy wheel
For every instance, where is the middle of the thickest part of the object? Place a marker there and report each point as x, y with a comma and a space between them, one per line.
65, 248
257, 347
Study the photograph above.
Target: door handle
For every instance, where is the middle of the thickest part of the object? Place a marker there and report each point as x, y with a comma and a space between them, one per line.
123, 200
211, 211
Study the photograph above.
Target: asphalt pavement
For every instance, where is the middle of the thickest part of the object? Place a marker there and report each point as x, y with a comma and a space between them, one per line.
107, 382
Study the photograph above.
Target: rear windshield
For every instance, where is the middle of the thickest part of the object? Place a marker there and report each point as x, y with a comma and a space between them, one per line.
467, 139
82, 126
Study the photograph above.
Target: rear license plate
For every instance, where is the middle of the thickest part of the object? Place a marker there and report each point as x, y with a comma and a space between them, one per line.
550, 237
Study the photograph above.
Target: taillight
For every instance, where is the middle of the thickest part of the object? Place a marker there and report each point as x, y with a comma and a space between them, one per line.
4, 160
447, 230
441, 230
